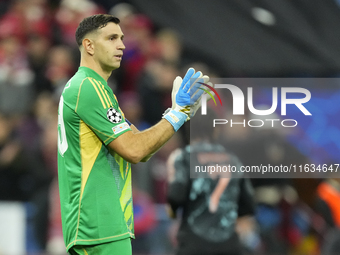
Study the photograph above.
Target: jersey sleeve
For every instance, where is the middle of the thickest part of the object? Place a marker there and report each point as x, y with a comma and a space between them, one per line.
99, 109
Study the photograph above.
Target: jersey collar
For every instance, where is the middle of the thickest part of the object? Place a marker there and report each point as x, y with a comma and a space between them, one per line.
90, 72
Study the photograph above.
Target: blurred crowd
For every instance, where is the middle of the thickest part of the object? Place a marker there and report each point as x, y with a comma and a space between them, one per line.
38, 54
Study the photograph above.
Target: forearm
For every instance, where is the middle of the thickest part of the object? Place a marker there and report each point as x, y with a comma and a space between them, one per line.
221, 186
137, 145
135, 131
152, 139
164, 134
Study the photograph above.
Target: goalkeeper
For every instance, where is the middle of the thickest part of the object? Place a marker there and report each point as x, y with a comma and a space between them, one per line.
96, 143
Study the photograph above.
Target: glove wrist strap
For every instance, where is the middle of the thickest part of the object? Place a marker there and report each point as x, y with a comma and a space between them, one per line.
175, 118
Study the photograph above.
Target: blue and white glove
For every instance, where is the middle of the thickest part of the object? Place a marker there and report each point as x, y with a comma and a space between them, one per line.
198, 103
185, 94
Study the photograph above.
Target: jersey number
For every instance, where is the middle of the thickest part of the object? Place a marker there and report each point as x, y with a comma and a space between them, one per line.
62, 142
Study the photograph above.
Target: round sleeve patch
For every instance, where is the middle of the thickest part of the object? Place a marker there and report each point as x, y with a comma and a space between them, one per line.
113, 115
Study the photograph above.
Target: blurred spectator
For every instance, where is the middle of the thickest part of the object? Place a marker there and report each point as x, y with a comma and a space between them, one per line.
159, 170
170, 46
46, 111
125, 13
70, 14
15, 76
158, 69
130, 104
151, 177
38, 135
26, 17
331, 245
328, 206
37, 50
275, 197
12, 165
328, 201
38, 18
144, 221
55, 241
13, 22
154, 88
23, 176
144, 213
211, 202
140, 48
60, 68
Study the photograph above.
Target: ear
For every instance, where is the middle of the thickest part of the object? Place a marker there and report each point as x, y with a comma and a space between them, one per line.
88, 46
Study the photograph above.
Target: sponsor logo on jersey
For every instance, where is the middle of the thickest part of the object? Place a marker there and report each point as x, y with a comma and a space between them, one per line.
120, 128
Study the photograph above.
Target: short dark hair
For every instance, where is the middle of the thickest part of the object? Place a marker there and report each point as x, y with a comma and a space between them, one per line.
93, 23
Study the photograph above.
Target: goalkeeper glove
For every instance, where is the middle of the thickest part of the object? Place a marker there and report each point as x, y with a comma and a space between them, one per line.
184, 94
198, 103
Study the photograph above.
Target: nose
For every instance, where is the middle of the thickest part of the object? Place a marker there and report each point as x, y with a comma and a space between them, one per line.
121, 45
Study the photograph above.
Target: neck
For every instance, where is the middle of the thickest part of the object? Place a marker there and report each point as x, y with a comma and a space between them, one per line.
90, 63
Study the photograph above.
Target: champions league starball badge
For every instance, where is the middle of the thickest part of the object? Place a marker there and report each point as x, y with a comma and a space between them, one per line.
113, 115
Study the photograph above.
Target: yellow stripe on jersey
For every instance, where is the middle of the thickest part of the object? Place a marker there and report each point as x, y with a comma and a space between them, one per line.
121, 166
85, 252
127, 215
125, 198
122, 112
100, 97
102, 89
127, 169
90, 147
106, 93
108, 136
118, 106
79, 94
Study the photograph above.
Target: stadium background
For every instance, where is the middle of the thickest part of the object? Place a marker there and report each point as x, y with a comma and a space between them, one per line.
234, 38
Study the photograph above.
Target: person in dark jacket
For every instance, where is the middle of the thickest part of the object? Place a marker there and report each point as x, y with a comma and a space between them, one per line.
212, 203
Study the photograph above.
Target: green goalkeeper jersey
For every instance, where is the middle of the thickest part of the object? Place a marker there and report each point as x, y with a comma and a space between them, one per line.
95, 185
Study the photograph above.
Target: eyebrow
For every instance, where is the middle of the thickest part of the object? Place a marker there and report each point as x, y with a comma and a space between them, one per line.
115, 35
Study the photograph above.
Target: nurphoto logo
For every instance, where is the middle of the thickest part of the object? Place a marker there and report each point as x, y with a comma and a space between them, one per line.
209, 93
239, 104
